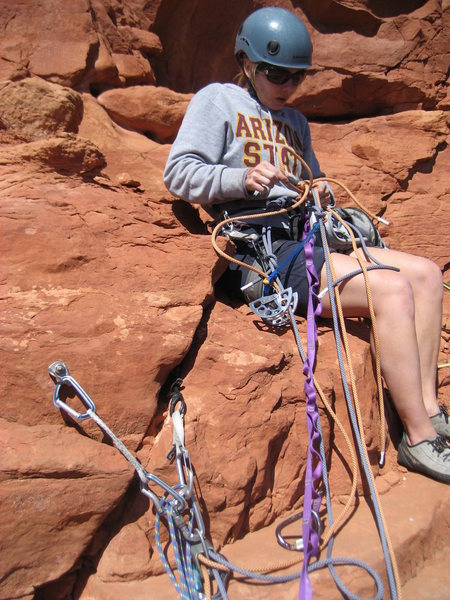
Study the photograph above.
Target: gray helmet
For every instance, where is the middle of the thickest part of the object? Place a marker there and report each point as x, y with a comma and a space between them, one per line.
275, 36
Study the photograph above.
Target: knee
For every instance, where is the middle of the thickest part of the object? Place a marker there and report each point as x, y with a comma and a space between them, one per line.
395, 296
401, 296
429, 279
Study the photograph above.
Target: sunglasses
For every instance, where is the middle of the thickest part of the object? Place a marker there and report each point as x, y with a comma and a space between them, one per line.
280, 76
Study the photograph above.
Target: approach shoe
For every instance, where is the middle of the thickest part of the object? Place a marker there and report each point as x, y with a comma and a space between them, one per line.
430, 457
441, 422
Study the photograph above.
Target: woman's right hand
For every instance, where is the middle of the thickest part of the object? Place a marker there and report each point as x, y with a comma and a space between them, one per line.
263, 177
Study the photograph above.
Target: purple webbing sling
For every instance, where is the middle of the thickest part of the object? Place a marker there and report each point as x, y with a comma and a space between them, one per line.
311, 500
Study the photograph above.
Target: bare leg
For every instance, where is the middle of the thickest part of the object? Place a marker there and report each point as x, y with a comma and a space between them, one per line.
402, 361
426, 281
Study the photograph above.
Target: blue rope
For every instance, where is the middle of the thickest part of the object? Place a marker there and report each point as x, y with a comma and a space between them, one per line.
188, 587
291, 256
175, 539
163, 556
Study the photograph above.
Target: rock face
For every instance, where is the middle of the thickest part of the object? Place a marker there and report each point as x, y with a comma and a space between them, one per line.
103, 269
155, 111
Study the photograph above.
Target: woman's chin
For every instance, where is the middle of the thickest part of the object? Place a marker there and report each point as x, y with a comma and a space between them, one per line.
277, 104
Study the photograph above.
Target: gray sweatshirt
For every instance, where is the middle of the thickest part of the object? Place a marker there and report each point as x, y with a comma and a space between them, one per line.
225, 132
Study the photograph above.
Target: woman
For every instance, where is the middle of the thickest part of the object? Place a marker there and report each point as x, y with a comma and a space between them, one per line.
234, 152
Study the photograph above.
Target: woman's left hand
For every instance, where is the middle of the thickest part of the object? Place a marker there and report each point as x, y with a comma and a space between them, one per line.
324, 193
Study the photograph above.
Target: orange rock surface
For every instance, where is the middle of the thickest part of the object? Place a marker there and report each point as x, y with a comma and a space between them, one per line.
103, 269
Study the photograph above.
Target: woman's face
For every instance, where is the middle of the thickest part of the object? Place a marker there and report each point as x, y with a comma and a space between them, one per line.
273, 95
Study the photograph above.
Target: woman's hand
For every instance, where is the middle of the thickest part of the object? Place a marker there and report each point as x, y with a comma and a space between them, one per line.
324, 193
263, 177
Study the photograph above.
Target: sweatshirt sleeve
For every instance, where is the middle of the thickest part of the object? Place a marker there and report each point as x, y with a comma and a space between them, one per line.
194, 169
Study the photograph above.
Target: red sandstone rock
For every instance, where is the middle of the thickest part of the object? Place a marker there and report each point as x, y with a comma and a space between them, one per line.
65, 153
34, 108
143, 159
154, 111
119, 282
145, 41
66, 511
133, 69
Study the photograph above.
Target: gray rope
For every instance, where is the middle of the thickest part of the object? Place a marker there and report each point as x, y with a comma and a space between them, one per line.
339, 583
315, 566
359, 272
366, 467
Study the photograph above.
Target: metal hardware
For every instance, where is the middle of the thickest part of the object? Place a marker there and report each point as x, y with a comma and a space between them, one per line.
274, 309
60, 373
298, 545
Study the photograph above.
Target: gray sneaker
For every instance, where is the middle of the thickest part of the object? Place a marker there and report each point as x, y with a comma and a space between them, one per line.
441, 422
430, 457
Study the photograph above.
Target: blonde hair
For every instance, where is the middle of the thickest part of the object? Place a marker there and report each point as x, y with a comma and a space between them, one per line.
242, 79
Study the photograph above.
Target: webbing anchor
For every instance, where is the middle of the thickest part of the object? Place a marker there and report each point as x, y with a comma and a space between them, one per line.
298, 544
274, 309
176, 397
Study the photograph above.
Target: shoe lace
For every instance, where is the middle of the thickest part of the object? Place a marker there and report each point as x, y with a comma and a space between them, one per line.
440, 445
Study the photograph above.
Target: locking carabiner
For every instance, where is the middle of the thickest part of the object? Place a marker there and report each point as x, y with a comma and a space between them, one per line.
298, 545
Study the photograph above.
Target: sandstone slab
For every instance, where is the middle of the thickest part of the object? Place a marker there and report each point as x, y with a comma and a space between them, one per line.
102, 268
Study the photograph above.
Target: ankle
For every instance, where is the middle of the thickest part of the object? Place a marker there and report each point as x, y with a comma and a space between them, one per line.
432, 407
417, 436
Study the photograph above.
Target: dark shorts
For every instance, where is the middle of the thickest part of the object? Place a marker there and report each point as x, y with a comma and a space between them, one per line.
292, 274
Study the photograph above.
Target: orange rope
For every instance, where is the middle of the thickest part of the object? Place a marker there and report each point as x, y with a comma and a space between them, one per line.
338, 523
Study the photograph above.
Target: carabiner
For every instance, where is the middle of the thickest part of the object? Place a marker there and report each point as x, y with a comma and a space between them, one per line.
180, 501
185, 473
298, 545
198, 517
60, 373
176, 397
